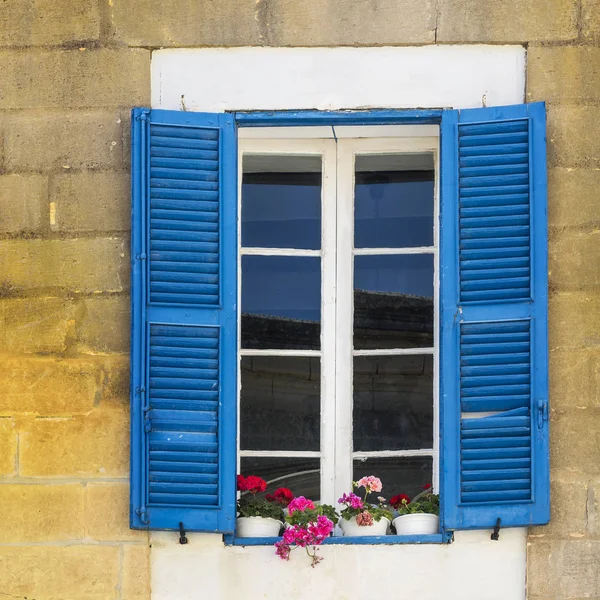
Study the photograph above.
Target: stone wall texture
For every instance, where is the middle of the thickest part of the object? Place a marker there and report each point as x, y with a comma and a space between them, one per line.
71, 70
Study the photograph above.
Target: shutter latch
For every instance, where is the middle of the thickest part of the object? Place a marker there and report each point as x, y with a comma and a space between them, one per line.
182, 537
496, 533
542, 410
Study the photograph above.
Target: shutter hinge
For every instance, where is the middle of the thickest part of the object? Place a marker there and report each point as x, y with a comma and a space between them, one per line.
143, 116
542, 412
143, 513
141, 256
147, 424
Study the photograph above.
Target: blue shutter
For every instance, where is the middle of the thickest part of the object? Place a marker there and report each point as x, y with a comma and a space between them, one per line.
184, 340
494, 350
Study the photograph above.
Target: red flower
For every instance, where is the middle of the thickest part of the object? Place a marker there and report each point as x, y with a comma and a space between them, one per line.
241, 483
283, 496
398, 500
427, 486
255, 484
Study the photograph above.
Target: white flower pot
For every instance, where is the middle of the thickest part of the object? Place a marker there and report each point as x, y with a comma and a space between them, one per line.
417, 524
249, 527
351, 528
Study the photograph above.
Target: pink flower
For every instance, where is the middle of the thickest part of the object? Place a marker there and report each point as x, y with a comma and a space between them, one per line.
364, 519
282, 550
351, 500
370, 483
300, 503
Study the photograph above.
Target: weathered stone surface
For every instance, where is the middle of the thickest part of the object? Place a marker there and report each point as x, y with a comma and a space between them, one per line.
90, 201
136, 573
106, 325
74, 78
569, 498
41, 513
591, 19
575, 440
96, 445
575, 378
79, 265
574, 319
563, 73
63, 140
43, 572
572, 260
579, 572
47, 22
40, 325
573, 197
21, 198
107, 513
506, 20
573, 141
8, 447
49, 386
542, 573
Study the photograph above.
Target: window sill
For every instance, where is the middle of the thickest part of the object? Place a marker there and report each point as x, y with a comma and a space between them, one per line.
375, 540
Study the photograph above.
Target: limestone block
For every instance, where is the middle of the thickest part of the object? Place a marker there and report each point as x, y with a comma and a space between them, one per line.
573, 260
47, 22
21, 198
506, 21
41, 513
74, 78
105, 326
591, 19
38, 325
8, 447
574, 319
136, 573
79, 265
107, 513
63, 140
96, 445
563, 73
575, 378
91, 201
573, 197
543, 574
572, 136
575, 440
579, 572
76, 572
49, 386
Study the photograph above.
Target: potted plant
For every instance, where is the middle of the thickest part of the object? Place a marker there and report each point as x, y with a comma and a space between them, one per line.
419, 516
258, 516
360, 518
308, 527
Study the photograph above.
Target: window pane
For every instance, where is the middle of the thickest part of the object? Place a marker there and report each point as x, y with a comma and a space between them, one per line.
280, 403
281, 202
393, 402
301, 475
406, 475
393, 201
281, 302
393, 301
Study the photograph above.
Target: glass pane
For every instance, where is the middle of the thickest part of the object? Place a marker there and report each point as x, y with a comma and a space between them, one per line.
393, 201
406, 475
301, 475
393, 301
393, 402
281, 302
280, 403
281, 202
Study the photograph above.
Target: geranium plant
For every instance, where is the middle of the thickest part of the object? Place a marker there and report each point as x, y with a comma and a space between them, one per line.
358, 507
426, 502
252, 504
309, 526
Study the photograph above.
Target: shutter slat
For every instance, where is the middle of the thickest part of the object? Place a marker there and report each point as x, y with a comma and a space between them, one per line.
187, 153
499, 442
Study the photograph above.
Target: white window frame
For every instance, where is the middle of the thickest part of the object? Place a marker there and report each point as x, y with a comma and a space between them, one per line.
338, 147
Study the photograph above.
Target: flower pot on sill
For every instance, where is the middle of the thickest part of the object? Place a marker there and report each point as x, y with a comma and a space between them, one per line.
417, 524
351, 528
249, 527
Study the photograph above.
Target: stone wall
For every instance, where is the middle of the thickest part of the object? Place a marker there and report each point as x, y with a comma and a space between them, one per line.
71, 70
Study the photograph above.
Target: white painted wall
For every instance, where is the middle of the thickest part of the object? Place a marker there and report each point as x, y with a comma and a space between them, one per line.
473, 567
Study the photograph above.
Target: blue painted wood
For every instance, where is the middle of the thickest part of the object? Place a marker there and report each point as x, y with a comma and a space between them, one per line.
184, 340
494, 317
436, 538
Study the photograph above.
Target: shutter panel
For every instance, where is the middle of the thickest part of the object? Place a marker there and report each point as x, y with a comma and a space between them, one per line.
494, 352
184, 338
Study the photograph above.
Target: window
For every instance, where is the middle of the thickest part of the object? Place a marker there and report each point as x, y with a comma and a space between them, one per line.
337, 339
483, 362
